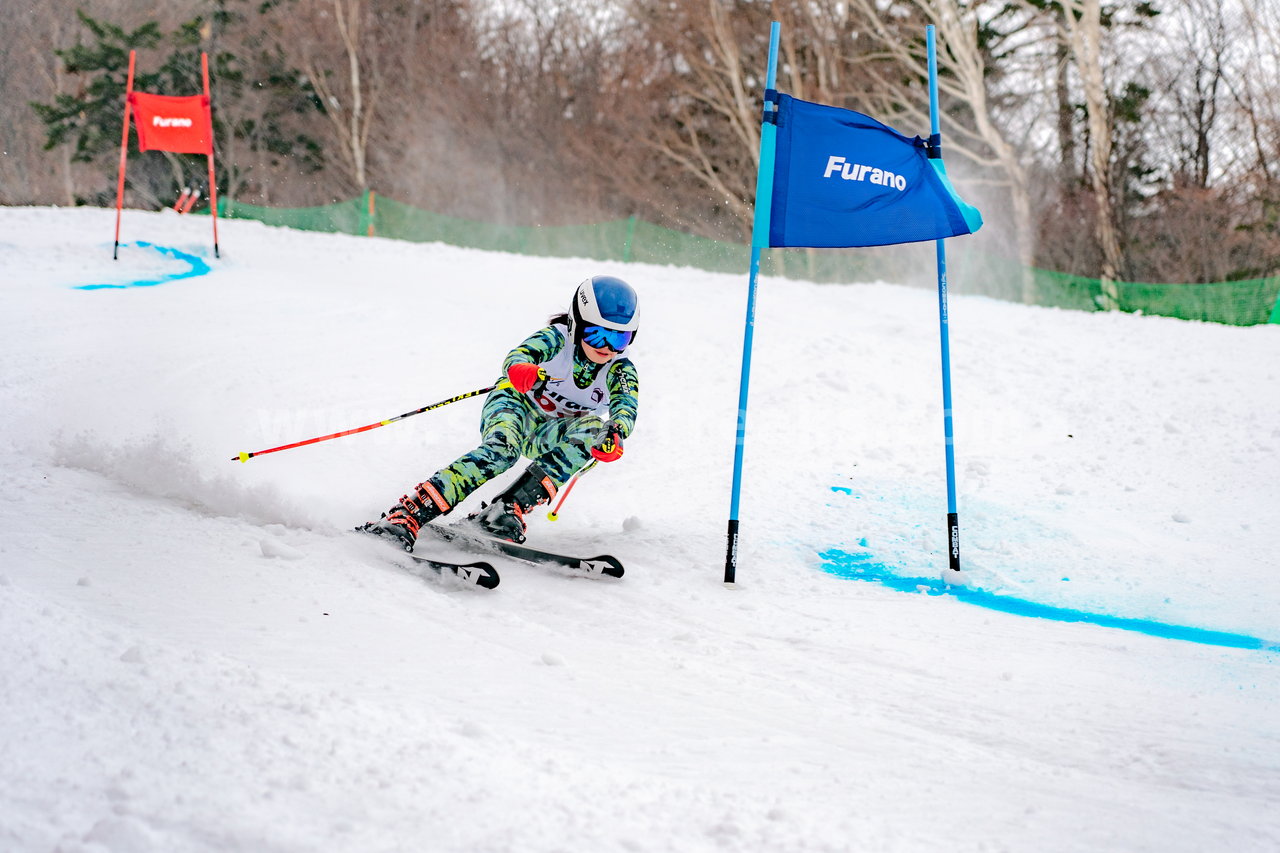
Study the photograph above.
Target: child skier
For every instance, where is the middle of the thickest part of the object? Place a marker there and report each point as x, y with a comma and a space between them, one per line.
568, 397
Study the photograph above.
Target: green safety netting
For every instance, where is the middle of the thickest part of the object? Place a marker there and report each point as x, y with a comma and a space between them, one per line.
343, 217
1240, 303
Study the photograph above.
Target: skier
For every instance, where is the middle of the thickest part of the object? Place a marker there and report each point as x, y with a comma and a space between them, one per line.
568, 397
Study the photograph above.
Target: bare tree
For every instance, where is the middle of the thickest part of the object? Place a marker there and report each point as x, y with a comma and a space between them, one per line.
976, 130
709, 56
335, 43
435, 141
1083, 22
1257, 96
1204, 36
30, 71
707, 61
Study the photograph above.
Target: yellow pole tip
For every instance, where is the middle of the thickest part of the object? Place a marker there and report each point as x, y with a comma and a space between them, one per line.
551, 516
244, 457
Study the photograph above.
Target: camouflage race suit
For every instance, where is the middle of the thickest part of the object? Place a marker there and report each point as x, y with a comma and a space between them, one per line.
514, 425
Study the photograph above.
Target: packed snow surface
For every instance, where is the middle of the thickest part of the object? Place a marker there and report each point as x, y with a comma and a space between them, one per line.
195, 654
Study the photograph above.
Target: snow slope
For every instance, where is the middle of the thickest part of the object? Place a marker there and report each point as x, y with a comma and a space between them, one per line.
195, 657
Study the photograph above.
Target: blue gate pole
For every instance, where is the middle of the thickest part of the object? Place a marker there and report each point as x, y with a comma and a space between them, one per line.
952, 574
759, 240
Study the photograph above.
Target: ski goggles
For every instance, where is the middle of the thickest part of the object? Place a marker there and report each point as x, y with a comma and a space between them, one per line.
600, 337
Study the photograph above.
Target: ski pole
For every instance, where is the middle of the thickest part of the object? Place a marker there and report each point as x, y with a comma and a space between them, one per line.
555, 513
245, 457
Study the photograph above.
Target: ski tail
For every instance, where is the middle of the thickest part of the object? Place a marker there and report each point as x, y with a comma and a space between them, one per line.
479, 573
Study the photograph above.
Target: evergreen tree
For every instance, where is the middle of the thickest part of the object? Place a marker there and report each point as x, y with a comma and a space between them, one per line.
260, 106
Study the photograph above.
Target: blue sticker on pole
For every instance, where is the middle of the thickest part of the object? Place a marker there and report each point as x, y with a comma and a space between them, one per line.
843, 179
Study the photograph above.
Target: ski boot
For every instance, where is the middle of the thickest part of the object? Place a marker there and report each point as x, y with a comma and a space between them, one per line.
405, 519
504, 518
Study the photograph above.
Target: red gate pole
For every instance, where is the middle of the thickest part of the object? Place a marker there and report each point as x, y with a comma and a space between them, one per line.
213, 184
124, 153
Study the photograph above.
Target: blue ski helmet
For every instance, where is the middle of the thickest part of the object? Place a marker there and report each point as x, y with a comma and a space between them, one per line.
608, 302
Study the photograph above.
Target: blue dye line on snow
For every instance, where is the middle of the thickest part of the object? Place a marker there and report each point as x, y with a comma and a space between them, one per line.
197, 267
862, 566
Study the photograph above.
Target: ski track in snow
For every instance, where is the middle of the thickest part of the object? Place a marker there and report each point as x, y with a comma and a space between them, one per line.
195, 655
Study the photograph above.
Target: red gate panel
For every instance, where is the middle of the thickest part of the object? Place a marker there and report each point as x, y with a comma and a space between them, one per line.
169, 123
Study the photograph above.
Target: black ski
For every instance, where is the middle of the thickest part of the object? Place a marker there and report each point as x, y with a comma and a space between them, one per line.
480, 573
601, 565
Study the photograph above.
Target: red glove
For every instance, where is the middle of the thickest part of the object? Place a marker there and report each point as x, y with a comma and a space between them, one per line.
525, 376
608, 446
